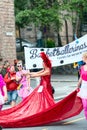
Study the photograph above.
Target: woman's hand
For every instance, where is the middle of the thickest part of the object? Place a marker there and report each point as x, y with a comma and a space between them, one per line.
28, 88
19, 78
13, 78
78, 89
28, 76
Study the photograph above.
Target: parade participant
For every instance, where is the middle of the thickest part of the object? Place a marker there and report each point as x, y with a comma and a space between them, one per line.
83, 84
11, 84
23, 78
45, 73
3, 92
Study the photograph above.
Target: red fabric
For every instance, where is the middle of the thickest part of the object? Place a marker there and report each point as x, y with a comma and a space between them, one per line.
39, 111
10, 84
39, 108
45, 81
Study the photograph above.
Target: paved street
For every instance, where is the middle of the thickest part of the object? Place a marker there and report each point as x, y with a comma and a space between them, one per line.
63, 84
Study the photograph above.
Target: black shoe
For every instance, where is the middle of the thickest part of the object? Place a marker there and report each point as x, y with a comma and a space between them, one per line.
0, 128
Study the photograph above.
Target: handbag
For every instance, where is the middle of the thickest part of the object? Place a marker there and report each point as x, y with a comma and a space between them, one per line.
53, 90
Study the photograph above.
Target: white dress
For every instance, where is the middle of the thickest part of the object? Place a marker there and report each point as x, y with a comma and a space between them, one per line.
83, 90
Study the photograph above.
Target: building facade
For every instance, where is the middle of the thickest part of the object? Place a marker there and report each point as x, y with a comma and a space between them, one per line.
7, 31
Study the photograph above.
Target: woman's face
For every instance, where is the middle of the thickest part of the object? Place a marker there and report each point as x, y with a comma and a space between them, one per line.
84, 58
12, 69
19, 67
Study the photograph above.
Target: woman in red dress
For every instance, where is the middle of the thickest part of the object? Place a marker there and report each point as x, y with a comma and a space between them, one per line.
45, 74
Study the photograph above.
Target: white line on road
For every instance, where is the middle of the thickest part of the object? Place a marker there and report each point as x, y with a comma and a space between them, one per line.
74, 120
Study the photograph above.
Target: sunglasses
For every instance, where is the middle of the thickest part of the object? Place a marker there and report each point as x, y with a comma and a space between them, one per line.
19, 66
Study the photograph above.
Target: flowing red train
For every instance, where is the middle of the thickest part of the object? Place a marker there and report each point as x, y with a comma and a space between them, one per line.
39, 108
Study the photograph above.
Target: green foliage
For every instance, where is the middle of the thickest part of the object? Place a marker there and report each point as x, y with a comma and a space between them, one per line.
23, 18
78, 6
41, 12
46, 12
50, 43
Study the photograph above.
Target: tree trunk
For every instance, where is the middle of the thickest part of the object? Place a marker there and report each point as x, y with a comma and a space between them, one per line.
66, 29
59, 40
20, 38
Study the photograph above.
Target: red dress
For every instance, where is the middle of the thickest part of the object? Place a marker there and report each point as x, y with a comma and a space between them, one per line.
46, 82
39, 108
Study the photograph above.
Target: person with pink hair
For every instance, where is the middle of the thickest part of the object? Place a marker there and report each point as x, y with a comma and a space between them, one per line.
3, 92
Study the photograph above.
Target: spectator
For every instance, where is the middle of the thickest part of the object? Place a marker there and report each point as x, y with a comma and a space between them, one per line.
5, 68
24, 79
15, 65
10, 80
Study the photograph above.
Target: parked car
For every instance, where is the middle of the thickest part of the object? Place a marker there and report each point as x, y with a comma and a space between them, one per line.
21, 43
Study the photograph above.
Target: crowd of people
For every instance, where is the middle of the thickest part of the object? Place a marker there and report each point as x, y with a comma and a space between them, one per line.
15, 81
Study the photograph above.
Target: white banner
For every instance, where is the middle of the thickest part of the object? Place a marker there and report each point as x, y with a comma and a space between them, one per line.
67, 54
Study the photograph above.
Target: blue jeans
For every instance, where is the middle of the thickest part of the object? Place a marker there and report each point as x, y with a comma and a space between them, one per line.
12, 96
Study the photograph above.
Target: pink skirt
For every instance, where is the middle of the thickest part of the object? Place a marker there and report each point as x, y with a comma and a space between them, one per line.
24, 92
